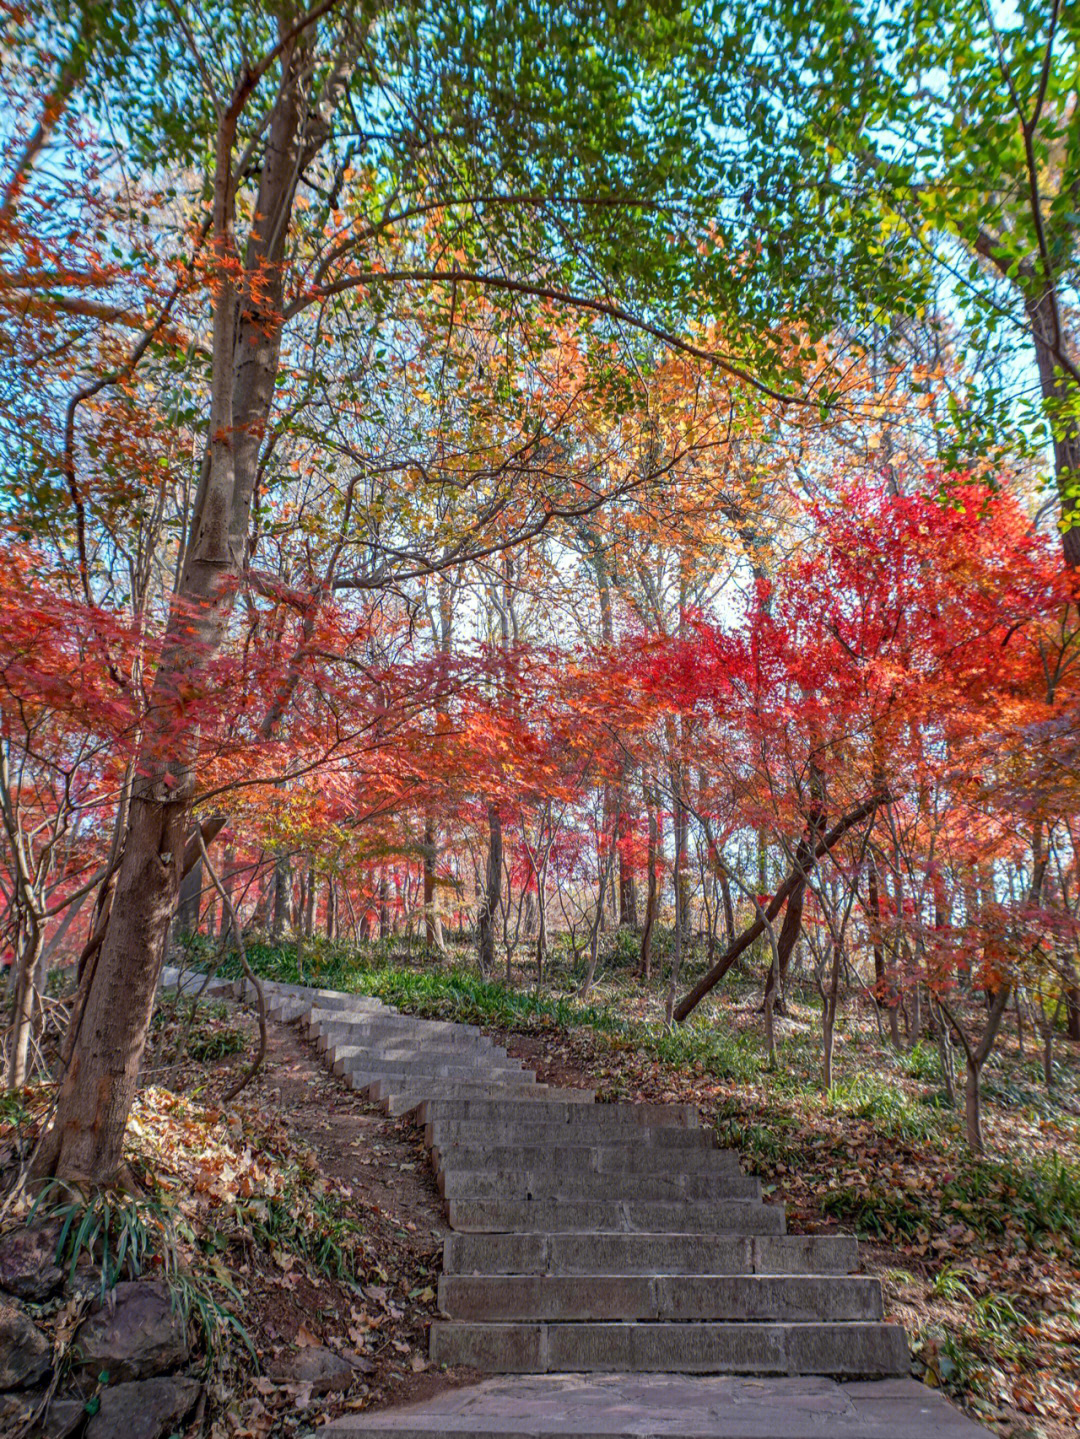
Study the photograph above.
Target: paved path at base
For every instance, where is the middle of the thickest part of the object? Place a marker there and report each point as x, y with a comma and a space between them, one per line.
670, 1406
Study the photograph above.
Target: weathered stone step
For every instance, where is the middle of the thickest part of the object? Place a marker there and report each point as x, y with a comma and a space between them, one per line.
567, 1110
857, 1348
394, 1080
650, 1254
410, 1102
393, 1048
455, 1183
611, 1157
669, 1406
783, 1298
670, 1145
437, 1062
644, 1216
331, 1026
431, 1076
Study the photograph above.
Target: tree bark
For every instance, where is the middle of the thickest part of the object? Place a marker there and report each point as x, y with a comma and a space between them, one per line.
489, 905
85, 1140
651, 894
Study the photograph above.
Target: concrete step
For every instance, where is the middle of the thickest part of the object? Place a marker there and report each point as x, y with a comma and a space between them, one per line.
760, 1298
395, 1080
567, 1110
634, 1216
193, 982
402, 1072
392, 1022
668, 1406
338, 1039
856, 1348
650, 1254
610, 1157
668, 1144
410, 1049
410, 1101
455, 1183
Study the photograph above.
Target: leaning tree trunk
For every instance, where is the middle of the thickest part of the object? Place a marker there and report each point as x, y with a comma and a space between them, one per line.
110, 1025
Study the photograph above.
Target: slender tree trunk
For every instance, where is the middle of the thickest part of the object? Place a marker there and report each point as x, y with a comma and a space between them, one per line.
187, 913
430, 857
489, 905
627, 878
1041, 304
973, 1106
309, 901
729, 909
828, 1026
282, 895
651, 890
384, 904
1072, 1002
680, 901
23, 1010
331, 908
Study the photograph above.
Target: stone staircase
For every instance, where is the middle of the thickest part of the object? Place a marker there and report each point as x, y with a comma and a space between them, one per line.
593, 1237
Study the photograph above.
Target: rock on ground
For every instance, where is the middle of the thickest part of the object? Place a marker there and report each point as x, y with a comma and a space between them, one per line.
24, 1350
137, 1333
324, 1370
146, 1409
28, 1267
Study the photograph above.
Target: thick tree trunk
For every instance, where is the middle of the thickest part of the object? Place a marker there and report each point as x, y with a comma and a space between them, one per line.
109, 1028
86, 1140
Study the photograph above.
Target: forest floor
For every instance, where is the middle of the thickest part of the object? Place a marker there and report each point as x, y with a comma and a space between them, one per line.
306, 1217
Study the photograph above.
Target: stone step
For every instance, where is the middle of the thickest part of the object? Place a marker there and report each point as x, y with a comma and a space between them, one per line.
753, 1298
393, 1048
644, 1216
342, 1036
410, 1101
650, 1254
401, 1072
392, 1022
674, 1406
381, 1082
856, 1348
193, 982
566, 1110
455, 1183
608, 1157
669, 1144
